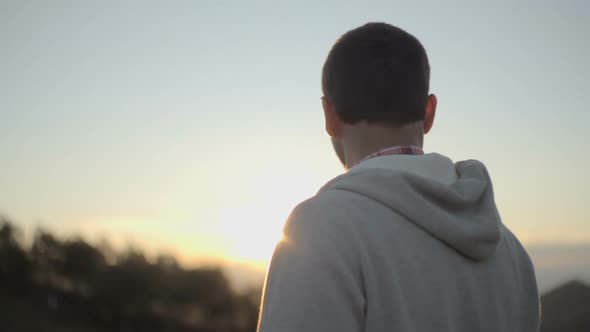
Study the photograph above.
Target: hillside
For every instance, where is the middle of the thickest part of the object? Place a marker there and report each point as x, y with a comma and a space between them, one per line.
566, 308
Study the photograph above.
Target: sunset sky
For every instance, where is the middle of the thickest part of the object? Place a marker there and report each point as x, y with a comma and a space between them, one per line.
195, 126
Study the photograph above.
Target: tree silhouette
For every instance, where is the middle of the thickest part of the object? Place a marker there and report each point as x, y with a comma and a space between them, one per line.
64, 284
15, 267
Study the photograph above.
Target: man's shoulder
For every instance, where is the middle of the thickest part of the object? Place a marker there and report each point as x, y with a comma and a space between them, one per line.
327, 211
320, 225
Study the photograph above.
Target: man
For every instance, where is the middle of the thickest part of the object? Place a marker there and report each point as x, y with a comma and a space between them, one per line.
403, 241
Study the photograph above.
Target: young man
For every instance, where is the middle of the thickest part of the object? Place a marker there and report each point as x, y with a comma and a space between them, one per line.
403, 241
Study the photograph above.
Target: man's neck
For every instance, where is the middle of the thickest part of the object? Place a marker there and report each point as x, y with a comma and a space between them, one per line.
363, 140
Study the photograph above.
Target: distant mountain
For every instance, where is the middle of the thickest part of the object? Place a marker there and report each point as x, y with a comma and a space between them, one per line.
566, 308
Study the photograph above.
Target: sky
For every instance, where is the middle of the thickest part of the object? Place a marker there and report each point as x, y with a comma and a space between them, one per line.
196, 126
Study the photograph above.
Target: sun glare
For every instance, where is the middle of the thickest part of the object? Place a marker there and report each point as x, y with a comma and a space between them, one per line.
250, 233
251, 227
244, 226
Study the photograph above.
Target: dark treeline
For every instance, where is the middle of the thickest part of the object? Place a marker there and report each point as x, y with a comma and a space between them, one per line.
52, 284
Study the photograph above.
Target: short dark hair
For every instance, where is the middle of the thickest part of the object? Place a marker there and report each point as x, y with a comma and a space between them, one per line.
377, 73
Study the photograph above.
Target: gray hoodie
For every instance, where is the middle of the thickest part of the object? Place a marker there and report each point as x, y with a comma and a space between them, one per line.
401, 243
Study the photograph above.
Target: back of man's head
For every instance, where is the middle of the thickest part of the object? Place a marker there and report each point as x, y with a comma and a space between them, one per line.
379, 74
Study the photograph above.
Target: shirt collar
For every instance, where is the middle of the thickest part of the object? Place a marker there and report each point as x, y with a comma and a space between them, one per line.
393, 150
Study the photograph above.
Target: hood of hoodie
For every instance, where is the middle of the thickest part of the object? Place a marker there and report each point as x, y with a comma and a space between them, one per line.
453, 202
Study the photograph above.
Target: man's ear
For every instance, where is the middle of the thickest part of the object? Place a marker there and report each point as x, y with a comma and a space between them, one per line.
333, 123
429, 113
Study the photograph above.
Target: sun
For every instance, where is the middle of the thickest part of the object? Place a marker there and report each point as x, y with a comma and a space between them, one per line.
249, 223
250, 232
